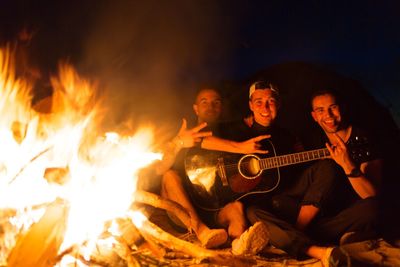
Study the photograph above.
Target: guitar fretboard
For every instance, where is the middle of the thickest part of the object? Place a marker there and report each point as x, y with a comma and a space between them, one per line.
279, 161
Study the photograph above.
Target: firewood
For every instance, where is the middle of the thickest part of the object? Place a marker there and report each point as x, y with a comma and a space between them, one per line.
160, 202
151, 231
57, 175
124, 251
39, 246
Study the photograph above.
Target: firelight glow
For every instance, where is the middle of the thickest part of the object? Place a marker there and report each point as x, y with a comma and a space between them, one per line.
99, 172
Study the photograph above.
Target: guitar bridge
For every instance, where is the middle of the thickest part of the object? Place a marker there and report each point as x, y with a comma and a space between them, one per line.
222, 172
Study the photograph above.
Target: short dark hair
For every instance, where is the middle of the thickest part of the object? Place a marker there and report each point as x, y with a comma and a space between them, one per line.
203, 88
329, 91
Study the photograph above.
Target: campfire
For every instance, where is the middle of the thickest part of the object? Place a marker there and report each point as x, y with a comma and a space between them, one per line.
67, 192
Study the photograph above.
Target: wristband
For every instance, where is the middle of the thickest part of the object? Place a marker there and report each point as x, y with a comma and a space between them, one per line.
179, 142
355, 172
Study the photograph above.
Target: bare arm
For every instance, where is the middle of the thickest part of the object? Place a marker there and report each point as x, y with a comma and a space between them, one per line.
246, 147
366, 184
184, 139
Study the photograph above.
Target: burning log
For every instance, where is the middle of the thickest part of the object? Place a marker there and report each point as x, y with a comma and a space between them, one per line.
57, 175
39, 246
155, 235
152, 232
162, 203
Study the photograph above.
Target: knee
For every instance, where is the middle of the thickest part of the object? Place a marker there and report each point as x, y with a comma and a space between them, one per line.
236, 206
232, 216
170, 177
170, 180
233, 210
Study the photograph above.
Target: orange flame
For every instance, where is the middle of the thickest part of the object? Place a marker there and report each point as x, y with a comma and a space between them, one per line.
99, 172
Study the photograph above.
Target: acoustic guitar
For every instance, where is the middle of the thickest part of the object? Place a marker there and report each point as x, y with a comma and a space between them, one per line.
219, 178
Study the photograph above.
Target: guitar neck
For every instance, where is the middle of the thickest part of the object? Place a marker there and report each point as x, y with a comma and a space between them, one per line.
295, 158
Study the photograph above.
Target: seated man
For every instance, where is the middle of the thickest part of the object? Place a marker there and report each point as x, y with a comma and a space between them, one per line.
264, 104
177, 187
332, 197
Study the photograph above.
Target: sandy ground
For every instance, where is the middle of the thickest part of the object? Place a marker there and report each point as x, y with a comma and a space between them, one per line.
367, 253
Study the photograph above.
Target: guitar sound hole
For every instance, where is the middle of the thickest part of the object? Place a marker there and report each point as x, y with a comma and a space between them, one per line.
249, 166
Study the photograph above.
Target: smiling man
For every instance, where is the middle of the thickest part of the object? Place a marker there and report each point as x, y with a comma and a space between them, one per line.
208, 225
313, 210
264, 103
326, 112
208, 107
349, 146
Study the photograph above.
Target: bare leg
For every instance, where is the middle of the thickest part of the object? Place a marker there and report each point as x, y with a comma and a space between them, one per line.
232, 216
306, 214
330, 256
316, 252
173, 189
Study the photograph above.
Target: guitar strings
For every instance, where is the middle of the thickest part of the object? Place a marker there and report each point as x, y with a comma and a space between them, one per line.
271, 189
230, 166
274, 161
246, 164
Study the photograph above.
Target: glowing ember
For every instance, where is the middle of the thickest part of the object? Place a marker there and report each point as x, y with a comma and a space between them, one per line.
94, 175
138, 218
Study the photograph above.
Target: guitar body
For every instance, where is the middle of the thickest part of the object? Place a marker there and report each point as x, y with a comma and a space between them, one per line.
219, 178
239, 184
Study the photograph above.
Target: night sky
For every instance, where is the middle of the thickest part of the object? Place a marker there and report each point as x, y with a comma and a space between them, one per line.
149, 56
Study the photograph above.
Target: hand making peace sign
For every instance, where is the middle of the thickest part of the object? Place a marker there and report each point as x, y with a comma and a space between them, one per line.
190, 137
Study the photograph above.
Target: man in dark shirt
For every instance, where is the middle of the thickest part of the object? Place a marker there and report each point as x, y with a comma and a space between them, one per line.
178, 187
264, 103
332, 197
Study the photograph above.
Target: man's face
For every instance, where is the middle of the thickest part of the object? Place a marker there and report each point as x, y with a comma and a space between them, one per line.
326, 112
264, 106
208, 106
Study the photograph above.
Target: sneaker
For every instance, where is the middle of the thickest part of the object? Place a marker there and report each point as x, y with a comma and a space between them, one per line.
252, 241
336, 257
213, 238
354, 237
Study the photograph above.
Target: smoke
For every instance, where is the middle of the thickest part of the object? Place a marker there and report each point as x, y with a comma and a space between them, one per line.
150, 56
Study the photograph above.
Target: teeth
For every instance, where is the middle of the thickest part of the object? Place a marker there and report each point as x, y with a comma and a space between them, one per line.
330, 123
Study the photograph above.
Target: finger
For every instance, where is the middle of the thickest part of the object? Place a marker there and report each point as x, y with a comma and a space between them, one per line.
197, 140
261, 151
339, 140
261, 137
202, 134
199, 127
184, 125
329, 148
